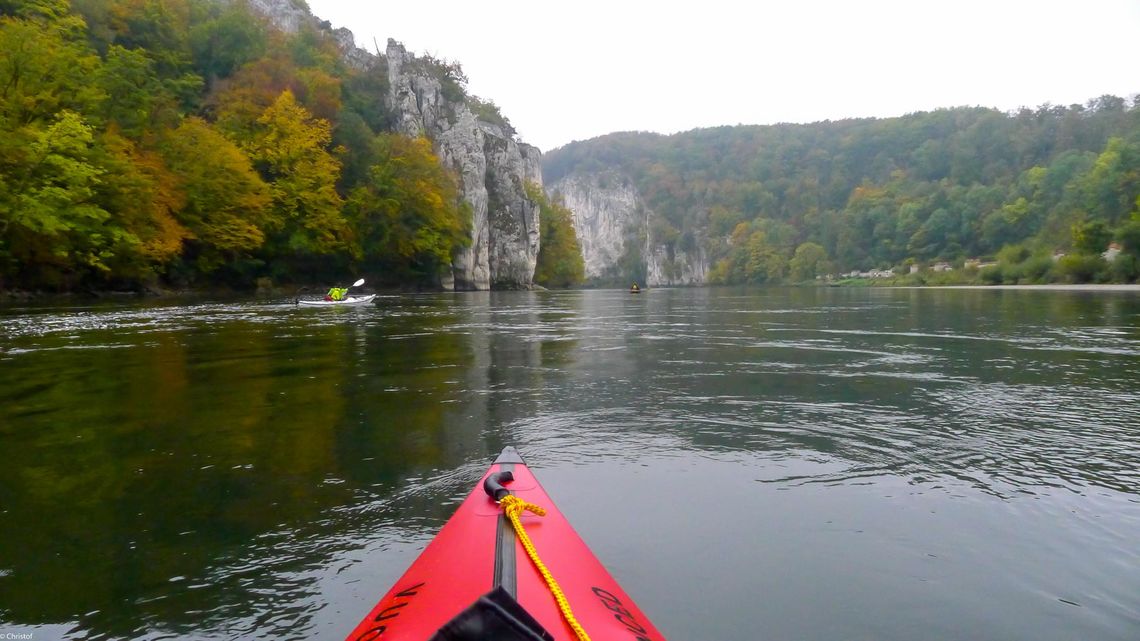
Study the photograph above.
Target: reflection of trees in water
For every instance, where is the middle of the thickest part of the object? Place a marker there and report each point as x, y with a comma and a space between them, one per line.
146, 468
234, 457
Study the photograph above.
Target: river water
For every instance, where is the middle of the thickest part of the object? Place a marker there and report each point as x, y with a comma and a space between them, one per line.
807, 464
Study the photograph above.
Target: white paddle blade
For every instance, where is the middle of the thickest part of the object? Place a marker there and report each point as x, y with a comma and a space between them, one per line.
358, 283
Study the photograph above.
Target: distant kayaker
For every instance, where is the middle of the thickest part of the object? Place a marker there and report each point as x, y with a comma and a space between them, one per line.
336, 293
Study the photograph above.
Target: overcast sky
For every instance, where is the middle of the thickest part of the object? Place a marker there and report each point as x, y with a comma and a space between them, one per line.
576, 70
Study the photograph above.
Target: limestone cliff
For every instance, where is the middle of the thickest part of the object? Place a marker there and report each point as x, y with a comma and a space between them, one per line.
613, 225
492, 168
491, 165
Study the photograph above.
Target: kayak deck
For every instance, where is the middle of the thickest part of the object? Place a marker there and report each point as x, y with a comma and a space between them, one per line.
477, 551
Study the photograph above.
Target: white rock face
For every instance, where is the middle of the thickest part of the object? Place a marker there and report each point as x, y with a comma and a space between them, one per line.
283, 14
609, 214
492, 168
683, 268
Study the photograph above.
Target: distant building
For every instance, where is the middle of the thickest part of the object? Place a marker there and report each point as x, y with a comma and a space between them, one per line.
874, 273
914, 269
1112, 252
1058, 255
941, 267
976, 263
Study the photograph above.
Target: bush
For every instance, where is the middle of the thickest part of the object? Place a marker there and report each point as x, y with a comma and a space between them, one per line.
1035, 270
1125, 269
1082, 268
992, 275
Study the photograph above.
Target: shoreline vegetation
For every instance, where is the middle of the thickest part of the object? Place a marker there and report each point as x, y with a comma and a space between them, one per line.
192, 146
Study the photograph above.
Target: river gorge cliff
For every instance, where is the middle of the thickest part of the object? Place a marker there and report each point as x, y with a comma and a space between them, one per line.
491, 165
614, 228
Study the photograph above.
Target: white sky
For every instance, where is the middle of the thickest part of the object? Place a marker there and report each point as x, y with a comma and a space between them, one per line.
576, 70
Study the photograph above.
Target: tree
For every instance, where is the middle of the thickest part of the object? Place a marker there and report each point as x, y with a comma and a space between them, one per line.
1091, 237
142, 195
50, 223
1113, 183
1129, 235
227, 38
809, 261
227, 204
43, 71
560, 262
289, 149
136, 97
764, 262
407, 215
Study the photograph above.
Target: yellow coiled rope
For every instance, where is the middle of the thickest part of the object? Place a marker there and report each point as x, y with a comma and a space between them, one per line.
513, 507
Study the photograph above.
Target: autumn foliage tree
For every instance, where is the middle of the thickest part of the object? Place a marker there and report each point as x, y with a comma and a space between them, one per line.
225, 205
289, 149
407, 213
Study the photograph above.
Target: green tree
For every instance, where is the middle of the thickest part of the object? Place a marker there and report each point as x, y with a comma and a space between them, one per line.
764, 262
809, 261
1113, 183
1091, 237
1082, 268
1129, 235
407, 216
136, 98
560, 262
43, 71
50, 224
225, 38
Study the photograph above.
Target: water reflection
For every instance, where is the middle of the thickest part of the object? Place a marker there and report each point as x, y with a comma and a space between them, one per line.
220, 470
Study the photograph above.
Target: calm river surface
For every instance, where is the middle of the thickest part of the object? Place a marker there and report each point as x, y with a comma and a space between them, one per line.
788, 464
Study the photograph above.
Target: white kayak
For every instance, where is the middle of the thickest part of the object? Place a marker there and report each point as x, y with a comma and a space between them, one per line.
351, 300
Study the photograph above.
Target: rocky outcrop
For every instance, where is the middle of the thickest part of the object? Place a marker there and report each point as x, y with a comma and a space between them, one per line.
283, 14
613, 225
492, 168
667, 265
491, 165
609, 216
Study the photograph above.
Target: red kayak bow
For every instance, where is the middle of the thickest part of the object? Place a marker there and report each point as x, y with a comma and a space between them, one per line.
476, 580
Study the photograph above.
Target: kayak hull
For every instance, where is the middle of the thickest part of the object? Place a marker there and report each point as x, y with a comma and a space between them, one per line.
477, 551
351, 300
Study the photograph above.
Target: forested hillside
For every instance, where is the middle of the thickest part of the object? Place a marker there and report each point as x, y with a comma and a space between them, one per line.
790, 202
186, 142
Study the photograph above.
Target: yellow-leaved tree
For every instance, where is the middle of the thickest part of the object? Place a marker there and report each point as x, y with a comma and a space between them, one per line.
227, 205
289, 148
